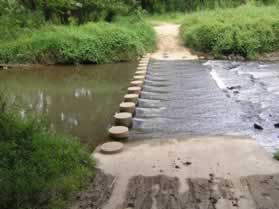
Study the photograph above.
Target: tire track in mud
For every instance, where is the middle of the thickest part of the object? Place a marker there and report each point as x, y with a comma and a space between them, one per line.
162, 192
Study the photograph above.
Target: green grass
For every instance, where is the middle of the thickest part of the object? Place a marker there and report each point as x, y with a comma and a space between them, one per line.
276, 155
90, 43
38, 169
246, 31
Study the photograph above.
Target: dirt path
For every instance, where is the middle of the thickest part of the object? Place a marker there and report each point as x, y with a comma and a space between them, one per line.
169, 45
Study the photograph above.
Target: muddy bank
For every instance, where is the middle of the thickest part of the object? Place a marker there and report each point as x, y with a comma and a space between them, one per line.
197, 172
98, 192
162, 192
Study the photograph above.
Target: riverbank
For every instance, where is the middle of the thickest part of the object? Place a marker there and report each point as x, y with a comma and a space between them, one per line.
92, 43
238, 33
39, 168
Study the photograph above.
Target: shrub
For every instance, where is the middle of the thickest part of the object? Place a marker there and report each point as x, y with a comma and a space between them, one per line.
89, 43
38, 169
246, 31
15, 20
276, 155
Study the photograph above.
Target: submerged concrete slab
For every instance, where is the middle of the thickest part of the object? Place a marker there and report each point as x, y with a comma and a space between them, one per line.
226, 158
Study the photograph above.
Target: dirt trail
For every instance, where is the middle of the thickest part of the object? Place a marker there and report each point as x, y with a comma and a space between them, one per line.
169, 45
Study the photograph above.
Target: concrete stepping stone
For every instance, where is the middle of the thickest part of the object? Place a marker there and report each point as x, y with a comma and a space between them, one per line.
131, 98
140, 72
134, 90
123, 119
119, 132
112, 147
127, 107
137, 83
139, 77
142, 68
143, 65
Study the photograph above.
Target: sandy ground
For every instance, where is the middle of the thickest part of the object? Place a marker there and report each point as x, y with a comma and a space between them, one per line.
169, 45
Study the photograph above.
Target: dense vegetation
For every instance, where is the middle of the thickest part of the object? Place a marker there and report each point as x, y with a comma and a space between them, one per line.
63, 32
38, 169
246, 31
34, 31
89, 43
276, 155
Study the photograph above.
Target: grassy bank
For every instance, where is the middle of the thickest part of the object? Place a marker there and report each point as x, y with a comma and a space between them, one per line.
276, 155
38, 169
245, 31
90, 43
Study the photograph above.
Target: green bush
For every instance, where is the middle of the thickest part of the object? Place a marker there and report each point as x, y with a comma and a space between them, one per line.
15, 20
276, 155
245, 31
89, 43
38, 169
161, 6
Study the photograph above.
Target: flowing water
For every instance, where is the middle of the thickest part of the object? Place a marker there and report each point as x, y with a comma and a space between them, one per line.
187, 97
76, 100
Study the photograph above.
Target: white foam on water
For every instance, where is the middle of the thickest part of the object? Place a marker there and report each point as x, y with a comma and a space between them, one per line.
215, 75
217, 79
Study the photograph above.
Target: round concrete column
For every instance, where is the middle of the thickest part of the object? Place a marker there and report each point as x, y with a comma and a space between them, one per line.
139, 77
143, 65
140, 72
143, 62
146, 60
112, 147
123, 119
127, 107
142, 68
131, 98
137, 83
134, 90
119, 132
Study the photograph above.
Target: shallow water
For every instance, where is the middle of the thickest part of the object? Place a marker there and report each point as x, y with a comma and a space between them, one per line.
210, 98
77, 100
255, 87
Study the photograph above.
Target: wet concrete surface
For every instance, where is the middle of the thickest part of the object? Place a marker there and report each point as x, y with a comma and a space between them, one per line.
204, 172
254, 86
183, 97
99, 189
162, 192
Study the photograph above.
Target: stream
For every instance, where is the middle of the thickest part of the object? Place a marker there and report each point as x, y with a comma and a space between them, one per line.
76, 100
183, 97
179, 98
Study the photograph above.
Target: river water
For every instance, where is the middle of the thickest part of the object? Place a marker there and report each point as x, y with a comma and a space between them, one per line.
76, 100
179, 98
183, 97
